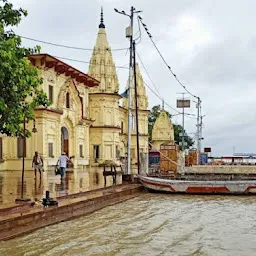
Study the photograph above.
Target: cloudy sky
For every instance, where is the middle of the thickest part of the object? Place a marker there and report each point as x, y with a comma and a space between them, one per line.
209, 45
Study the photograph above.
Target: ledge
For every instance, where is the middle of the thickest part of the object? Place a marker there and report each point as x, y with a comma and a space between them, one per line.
16, 224
106, 126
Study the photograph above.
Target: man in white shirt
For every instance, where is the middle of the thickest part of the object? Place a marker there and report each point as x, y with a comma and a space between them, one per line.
62, 162
37, 163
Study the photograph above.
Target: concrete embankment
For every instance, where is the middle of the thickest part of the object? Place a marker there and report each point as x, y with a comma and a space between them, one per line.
221, 169
17, 220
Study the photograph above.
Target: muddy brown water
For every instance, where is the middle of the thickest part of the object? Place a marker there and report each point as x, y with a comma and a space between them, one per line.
151, 224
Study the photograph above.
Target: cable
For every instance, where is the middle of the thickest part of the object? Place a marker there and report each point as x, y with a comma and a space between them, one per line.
161, 98
88, 62
66, 46
150, 37
139, 37
147, 72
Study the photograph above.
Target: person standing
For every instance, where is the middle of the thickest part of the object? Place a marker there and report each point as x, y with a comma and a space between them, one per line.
62, 162
37, 164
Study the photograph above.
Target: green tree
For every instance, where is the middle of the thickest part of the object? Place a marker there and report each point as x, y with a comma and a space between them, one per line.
154, 113
19, 80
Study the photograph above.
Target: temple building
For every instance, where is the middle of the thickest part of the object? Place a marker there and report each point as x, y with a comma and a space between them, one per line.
142, 101
104, 102
163, 131
110, 130
64, 126
86, 118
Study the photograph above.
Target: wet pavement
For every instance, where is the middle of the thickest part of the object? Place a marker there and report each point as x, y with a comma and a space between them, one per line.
76, 181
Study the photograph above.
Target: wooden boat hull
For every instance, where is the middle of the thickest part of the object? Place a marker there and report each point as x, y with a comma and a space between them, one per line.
198, 186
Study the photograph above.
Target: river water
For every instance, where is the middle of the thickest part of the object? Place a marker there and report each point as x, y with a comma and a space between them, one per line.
151, 224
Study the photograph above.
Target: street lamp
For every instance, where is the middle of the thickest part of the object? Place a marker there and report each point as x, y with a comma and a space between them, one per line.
34, 130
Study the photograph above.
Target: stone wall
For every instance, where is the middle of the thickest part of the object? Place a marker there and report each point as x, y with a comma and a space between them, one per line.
224, 169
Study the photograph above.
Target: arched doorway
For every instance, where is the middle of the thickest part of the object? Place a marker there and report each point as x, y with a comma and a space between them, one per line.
64, 140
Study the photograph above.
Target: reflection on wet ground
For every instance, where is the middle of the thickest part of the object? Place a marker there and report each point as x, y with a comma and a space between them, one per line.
151, 224
76, 181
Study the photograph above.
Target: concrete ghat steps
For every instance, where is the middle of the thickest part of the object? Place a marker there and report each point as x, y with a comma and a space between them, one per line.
14, 208
36, 217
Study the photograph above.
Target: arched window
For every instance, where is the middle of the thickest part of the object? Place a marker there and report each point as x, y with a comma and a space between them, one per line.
67, 100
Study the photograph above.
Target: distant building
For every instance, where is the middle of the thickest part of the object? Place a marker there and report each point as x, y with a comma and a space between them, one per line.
163, 131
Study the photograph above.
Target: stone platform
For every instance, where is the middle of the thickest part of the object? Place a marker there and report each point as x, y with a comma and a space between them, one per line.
76, 181
16, 219
221, 169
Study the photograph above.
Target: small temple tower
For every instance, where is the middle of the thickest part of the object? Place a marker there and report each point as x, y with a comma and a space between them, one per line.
104, 101
143, 122
163, 131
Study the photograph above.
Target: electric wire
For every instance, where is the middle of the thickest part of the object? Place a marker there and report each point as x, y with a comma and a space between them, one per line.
66, 46
139, 37
147, 72
88, 62
157, 95
162, 57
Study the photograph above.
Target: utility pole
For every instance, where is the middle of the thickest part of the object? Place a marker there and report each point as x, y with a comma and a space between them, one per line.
136, 107
129, 34
198, 128
201, 132
24, 146
183, 123
183, 103
201, 127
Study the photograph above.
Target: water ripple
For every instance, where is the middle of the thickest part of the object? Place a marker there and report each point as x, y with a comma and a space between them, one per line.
152, 224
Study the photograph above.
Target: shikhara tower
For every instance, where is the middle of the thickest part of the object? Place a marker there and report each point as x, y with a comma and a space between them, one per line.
108, 133
104, 101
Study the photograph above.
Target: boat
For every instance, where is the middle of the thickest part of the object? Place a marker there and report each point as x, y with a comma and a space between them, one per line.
241, 187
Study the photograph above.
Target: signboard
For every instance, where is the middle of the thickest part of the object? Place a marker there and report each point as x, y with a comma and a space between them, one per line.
207, 150
183, 103
184, 143
203, 158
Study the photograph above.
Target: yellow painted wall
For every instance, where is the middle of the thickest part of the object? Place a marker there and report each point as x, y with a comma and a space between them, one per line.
104, 114
49, 123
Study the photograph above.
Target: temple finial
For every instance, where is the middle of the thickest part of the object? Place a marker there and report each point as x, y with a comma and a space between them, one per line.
101, 19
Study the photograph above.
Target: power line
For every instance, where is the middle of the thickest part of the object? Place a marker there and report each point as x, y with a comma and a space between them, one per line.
66, 46
147, 72
162, 57
88, 62
139, 37
157, 95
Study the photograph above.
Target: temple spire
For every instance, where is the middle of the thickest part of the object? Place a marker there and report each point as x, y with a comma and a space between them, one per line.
101, 19
162, 104
102, 66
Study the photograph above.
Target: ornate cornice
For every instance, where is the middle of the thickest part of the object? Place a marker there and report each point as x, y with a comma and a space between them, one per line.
106, 127
61, 67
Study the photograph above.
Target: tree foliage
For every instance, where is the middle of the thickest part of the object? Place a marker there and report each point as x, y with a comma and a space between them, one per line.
20, 91
154, 113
